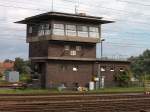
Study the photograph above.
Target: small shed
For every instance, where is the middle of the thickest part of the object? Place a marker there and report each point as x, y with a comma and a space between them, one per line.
12, 76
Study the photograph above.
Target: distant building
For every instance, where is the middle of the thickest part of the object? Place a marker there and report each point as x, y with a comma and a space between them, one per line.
62, 47
12, 76
6, 65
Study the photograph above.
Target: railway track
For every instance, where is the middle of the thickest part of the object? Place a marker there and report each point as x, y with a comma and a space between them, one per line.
75, 103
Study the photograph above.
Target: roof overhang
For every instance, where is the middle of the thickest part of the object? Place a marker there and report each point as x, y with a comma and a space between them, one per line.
63, 16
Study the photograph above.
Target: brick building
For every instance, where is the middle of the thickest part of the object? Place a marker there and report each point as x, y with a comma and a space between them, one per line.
62, 47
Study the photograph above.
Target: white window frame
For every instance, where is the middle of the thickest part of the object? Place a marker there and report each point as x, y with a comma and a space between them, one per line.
58, 29
94, 32
82, 31
73, 53
71, 30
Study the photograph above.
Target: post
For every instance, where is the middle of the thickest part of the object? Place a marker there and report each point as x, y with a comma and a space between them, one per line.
99, 76
102, 47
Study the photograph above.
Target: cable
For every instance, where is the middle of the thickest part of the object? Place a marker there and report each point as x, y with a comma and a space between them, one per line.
131, 2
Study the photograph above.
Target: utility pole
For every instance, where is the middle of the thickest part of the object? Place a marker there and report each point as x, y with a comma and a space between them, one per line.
102, 40
99, 66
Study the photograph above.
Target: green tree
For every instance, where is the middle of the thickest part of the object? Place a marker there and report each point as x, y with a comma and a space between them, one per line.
23, 67
123, 78
141, 65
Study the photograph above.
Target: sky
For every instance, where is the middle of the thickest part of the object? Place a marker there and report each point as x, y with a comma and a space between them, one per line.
128, 36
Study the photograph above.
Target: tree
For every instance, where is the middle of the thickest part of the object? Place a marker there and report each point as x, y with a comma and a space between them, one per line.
123, 78
21, 66
141, 65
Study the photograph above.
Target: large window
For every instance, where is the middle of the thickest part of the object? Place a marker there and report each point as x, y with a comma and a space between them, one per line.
94, 32
82, 31
41, 30
71, 30
30, 29
58, 29
47, 29
44, 29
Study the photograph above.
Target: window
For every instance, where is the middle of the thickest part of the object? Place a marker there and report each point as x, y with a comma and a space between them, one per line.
112, 69
82, 31
44, 29
78, 48
47, 29
67, 47
30, 29
73, 53
41, 30
103, 69
121, 69
75, 68
94, 32
58, 29
71, 30
63, 67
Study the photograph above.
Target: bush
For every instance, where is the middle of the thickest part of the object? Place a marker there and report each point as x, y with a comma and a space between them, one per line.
123, 78
25, 78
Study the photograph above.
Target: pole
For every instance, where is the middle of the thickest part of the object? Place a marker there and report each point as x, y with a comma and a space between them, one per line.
76, 7
101, 49
99, 76
52, 5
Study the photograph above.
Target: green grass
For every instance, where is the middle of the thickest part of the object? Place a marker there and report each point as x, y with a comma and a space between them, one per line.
48, 91
120, 90
26, 91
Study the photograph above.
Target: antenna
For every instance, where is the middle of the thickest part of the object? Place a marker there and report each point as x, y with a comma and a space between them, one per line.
52, 5
77, 7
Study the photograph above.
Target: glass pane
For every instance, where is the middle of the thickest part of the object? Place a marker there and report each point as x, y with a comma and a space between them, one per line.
58, 26
40, 32
30, 29
82, 34
71, 27
47, 26
47, 32
94, 34
58, 32
71, 33
82, 28
93, 29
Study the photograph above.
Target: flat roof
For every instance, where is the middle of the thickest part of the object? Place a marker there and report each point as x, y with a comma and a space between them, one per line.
64, 16
97, 60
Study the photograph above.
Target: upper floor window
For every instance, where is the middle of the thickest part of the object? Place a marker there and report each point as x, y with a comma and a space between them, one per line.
94, 32
41, 30
82, 31
47, 29
44, 29
58, 29
30, 29
71, 30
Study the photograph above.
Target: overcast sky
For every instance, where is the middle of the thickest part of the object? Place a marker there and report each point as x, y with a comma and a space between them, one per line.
129, 35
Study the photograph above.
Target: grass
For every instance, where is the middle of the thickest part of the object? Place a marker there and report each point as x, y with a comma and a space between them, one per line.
48, 91
120, 90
